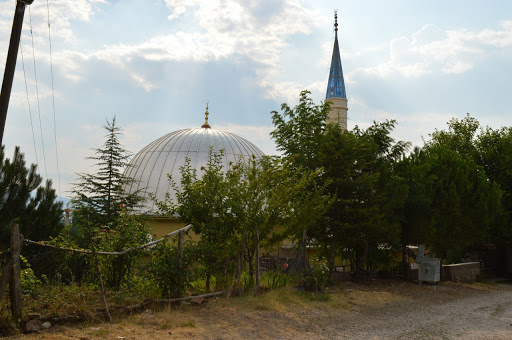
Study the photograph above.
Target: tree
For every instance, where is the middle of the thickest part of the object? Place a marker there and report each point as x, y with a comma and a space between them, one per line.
237, 210
356, 168
300, 132
34, 206
100, 195
39, 214
102, 209
495, 156
452, 204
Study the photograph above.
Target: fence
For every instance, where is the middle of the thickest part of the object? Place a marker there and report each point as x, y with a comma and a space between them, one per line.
11, 273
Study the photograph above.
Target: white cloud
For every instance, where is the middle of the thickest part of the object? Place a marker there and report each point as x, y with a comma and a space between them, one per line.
224, 29
432, 49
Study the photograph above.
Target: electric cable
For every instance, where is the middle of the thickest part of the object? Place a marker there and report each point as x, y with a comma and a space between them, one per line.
28, 102
37, 93
53, 98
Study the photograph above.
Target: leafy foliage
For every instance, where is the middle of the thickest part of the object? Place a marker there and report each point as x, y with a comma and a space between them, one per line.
125, 232
172, 271
356, 168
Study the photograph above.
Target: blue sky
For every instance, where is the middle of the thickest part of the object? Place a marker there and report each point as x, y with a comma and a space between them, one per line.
155, 63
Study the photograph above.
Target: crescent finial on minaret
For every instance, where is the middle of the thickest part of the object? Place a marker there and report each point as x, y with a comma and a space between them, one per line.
336, 20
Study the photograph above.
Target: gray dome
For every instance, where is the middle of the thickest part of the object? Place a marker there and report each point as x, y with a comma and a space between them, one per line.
150, 166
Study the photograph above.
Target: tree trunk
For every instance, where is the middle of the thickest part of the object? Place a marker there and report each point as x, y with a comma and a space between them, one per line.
207, 284
365, 254
250, 256
257, 258
332, 259
405, 267
304, 250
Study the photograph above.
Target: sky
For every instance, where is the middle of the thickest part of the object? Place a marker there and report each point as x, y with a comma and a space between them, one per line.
153, 64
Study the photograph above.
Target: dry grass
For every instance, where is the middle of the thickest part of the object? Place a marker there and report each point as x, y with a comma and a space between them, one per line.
283, 313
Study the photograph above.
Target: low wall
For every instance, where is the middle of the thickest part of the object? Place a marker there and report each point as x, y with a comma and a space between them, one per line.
342, 277
461, 272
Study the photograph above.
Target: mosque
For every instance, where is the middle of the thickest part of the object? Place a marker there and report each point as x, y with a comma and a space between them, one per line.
151, 165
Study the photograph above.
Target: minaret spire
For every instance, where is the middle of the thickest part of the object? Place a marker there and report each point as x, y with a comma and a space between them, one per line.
336, 93
206, 113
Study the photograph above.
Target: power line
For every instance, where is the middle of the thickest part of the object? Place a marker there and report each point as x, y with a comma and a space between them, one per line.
37, 93
28, 102
53, 98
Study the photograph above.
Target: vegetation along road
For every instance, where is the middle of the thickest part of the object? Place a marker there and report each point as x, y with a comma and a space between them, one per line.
382, 310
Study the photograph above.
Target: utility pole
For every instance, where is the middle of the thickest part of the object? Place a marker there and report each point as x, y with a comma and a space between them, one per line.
10, 64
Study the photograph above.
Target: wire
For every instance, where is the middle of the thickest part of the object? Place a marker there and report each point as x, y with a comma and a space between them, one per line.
37, 92
28, 102
53, 98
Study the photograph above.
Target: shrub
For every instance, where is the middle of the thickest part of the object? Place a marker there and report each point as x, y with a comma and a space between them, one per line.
316, 276
165, 270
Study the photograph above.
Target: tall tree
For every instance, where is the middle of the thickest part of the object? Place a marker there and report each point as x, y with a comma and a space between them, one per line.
357, 169
102, 209
300, 132
463, 204
495, 156
39, 214
98, 196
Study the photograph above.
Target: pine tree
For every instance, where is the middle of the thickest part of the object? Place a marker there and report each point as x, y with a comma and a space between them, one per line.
39, 215
100, 196
102, 210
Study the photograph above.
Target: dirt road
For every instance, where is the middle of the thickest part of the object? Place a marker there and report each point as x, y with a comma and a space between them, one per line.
382, 310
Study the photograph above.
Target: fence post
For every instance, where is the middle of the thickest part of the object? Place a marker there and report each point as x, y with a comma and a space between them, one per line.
15, 279
181, 241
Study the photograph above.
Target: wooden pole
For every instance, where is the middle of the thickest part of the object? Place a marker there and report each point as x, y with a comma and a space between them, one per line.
10, 64
15, 282
181, 241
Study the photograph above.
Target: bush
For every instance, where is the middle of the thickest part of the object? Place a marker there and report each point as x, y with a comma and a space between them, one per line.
126, 231
30, 284
316, 276
165, 270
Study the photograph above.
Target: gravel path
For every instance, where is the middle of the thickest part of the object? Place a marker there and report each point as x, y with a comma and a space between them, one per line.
482, 315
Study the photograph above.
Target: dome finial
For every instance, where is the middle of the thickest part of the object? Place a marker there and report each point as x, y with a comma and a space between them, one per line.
206, 113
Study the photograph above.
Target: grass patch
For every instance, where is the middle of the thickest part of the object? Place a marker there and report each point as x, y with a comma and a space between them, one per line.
189, 324
101, 332
310, 296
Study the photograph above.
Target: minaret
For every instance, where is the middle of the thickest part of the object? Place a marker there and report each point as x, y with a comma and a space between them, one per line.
336, 94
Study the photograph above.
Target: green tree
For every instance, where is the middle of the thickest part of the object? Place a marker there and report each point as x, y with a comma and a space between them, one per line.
357, 168
202, 201
300, 132
237, 210
98, 196
452, 203
102, 209
34, 206
39, 214
495, 156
